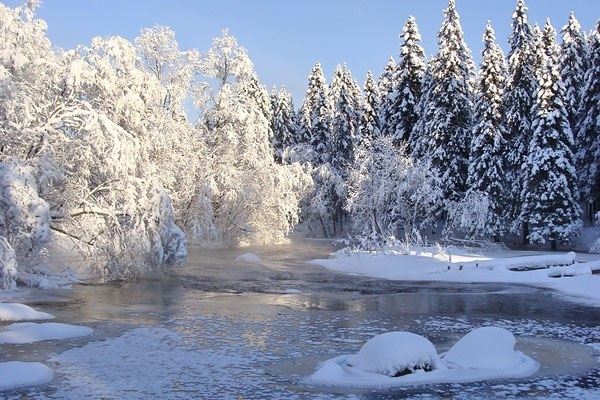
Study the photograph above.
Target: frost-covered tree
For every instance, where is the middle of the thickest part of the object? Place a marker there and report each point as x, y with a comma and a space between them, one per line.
446, 111
588, 127
486, 164
550, 195
24, 224
370, 125
573, 65
284, 122
170, 141
82, 113
372, 190
253, 199
407, 86
389, 194
316, 116
519, 110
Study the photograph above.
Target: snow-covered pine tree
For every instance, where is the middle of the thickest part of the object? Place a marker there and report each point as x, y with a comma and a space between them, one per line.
408, 85
284, 122
486, 163
385, 86
316, 116
447, 112
346, 99
347, 111
519, 105
573, 65
370, 126
550, 206
588, 127
418, 140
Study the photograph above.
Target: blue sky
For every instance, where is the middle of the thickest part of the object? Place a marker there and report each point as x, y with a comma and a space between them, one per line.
286, 38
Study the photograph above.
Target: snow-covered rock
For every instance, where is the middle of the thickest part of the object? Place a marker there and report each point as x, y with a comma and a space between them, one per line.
249, 258
396, 354
21, 312
487, 348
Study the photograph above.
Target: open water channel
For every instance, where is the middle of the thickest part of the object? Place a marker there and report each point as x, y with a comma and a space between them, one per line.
222, 329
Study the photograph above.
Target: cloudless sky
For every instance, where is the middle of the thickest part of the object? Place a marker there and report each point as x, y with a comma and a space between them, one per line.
286, 38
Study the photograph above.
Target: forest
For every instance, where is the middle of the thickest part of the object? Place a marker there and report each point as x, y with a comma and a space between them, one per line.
98, 146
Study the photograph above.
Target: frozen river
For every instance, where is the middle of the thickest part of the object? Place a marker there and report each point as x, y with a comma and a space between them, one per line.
222, 329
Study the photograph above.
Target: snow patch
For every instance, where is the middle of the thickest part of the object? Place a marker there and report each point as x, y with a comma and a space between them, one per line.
15, 374
31, 332
21, 312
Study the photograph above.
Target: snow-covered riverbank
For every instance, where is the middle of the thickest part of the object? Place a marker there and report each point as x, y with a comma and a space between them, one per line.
568, 273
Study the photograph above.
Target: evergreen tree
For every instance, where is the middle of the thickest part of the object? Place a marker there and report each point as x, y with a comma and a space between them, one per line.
588, 139
386, 91
284, 122
418, 140
486, 163
407, 85
447, 113
519, 102
316, 116
346, 100
370, 126
550, 195
573, 65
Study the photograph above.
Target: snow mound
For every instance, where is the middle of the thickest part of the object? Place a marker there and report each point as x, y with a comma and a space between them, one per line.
21, 312
31, 332
403, 358
16, 374
249, 258
396, 354
487, 349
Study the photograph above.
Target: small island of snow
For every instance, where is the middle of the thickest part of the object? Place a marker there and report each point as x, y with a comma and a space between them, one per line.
404, 358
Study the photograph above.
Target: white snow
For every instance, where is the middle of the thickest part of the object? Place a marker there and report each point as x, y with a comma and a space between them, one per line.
14, 374
394, 352
20, 312
31, 332
249, 258
488, 348
483, 354
555, 270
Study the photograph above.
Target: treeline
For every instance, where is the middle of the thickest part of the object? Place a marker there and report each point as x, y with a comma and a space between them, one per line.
510, 148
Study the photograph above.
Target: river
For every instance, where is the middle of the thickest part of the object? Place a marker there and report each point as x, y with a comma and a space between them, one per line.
222, 329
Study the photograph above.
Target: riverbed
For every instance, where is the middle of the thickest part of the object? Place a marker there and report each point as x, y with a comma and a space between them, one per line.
218, 328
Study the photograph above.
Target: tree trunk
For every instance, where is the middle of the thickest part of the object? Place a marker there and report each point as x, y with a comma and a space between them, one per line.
553, 244
525, 233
